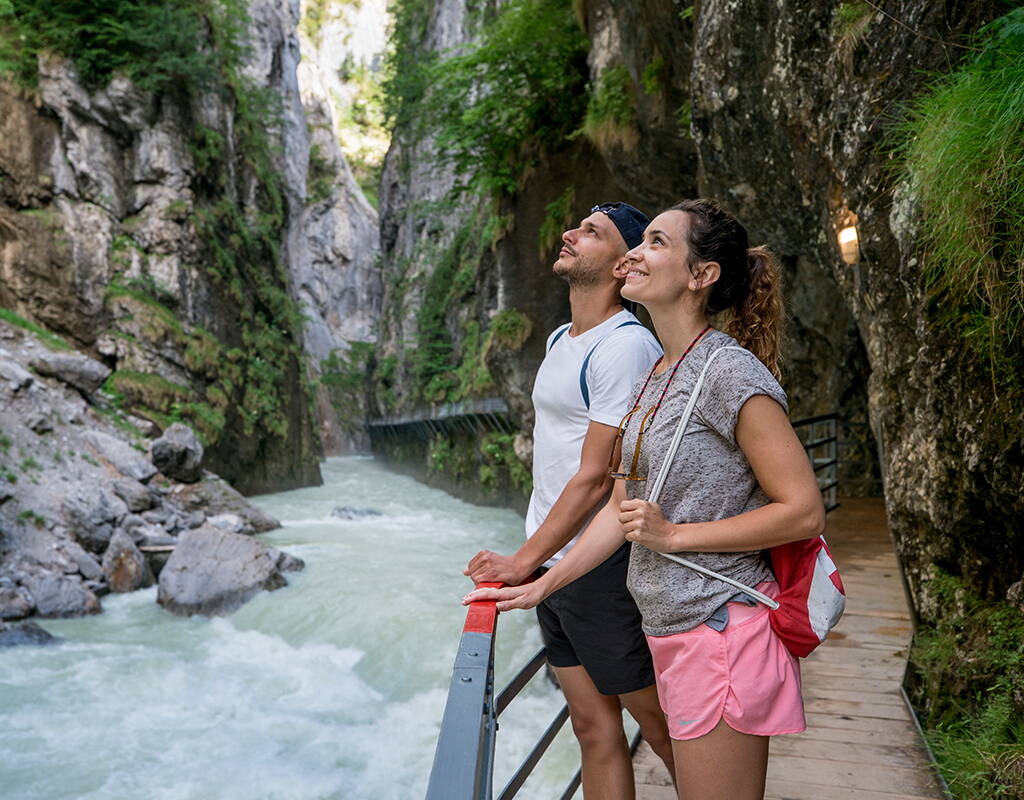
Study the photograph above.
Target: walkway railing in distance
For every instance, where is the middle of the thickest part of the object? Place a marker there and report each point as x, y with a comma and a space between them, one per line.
820, 439
464, 759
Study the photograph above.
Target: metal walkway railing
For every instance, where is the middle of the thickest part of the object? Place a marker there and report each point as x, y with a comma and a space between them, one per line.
464, 760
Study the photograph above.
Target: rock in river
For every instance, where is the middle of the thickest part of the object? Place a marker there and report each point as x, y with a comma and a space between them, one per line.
213, 572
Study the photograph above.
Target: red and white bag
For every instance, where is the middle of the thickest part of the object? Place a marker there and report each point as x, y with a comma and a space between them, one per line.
811, 596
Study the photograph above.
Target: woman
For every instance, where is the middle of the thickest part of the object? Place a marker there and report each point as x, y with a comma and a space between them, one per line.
739, 483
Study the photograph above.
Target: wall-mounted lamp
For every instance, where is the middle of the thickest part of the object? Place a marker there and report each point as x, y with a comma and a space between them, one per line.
849, 246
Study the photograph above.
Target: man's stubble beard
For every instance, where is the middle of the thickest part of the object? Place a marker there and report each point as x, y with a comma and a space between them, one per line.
581, 273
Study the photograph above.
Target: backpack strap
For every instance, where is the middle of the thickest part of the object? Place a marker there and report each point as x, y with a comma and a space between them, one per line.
584, 389
558, 335
660, 482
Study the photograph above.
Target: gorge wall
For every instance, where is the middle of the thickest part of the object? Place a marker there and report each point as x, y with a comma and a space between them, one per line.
194, 236
790, 114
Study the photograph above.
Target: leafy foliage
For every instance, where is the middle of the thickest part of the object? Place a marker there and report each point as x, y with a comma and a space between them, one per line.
963, 149
611, 112
496, 107
154, 44
971, 667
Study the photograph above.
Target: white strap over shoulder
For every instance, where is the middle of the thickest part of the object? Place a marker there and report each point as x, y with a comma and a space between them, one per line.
659, 483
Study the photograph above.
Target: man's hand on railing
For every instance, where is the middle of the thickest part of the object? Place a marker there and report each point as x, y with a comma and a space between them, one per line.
526, 596
491, 567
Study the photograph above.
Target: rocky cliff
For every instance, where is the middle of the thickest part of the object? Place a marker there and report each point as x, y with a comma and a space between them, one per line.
176, 233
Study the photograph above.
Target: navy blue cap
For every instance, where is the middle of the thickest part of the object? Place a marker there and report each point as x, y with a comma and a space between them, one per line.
630, 221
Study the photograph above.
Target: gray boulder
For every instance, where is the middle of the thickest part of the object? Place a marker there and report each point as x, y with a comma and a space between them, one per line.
125, 458
15, 601
135, 495
124, 565
85, 564
77, 370
15, 375
216, 496
232, 523
24, 633
178, 454
213, 572
92, 516
60, 595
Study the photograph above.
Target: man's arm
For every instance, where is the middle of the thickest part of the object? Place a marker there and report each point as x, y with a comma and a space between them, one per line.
581, 495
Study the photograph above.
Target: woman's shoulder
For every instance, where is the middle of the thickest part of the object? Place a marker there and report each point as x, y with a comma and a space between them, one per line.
737, 372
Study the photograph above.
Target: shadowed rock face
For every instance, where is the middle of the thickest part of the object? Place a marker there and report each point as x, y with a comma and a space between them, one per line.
951, 452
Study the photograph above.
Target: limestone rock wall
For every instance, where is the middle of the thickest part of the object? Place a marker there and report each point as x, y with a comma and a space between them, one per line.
951, 452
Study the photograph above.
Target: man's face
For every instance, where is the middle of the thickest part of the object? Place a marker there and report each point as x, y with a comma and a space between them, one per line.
590, 252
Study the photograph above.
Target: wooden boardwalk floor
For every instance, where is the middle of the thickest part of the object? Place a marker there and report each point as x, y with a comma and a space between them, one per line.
860, 743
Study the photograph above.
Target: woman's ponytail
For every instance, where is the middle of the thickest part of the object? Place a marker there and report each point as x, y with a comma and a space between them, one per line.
749, 287
756, 321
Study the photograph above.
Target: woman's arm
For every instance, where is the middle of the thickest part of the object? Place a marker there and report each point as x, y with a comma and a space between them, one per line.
602, 537
784, 472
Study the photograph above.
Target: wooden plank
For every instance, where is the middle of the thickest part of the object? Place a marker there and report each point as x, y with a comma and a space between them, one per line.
779, 789
867, 754
835, 774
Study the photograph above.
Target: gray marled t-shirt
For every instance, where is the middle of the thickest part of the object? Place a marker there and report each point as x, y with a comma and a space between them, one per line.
710, 479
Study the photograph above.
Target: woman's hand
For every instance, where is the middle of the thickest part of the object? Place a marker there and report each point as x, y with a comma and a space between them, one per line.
644, 524
509, 597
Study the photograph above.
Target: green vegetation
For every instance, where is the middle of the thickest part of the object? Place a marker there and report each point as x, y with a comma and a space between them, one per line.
655, 77
154, 44
362, 127
499, 453
498, 107
29, 463
31, 516
964, 154
557, 218
346, 375
970, 669
5, 442
320, 177
611, 112
48, 338
850, 26
510, 329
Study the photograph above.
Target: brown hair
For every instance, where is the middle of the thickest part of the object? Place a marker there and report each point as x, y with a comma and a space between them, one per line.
749, 286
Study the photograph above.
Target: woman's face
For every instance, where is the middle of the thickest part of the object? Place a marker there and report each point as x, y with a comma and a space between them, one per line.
656, 270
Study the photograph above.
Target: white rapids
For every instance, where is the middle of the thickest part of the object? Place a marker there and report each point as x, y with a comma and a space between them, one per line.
332, 688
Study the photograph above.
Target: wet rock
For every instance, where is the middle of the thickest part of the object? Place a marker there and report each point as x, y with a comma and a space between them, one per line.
216, 496
124, 458
213, 572
178, 454
60, 595
232, 523
124, 565
286, 562
77, 370
15, 601
24, 633
151, 536
135, 495
351, 512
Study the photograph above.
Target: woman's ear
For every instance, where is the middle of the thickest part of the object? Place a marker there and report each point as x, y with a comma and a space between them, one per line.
707, 273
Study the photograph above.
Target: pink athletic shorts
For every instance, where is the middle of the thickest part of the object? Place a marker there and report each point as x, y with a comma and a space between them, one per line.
743, 674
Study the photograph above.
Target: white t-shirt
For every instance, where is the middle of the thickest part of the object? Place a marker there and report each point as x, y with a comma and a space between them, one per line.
562, 416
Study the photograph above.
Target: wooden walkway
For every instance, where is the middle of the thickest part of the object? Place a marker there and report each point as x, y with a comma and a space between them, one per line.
860, 743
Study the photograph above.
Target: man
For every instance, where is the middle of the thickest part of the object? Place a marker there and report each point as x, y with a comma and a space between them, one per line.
591, 627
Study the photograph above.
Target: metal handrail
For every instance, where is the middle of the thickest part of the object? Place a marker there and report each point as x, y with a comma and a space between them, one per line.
464, 759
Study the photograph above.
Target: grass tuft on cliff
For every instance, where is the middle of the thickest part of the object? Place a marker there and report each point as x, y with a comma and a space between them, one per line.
963, 150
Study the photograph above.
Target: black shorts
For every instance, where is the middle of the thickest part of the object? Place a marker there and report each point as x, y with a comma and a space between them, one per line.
594, 622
